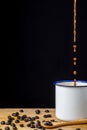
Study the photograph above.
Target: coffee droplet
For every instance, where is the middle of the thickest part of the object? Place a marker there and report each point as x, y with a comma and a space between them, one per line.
74, 50
74, 46
74, 62
75, 72
74, 58
74, 82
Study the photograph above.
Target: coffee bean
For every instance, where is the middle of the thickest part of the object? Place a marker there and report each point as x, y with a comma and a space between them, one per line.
33, 118
21, 110
60, 129
26, 120
43, 121
21, 125
0, 129
38, 122
21, 119
14, 128
8, 122
17, 121
2, 122
32, 122
10, 118
47, 111
17, 113
29, 118
37, 111
13, 125
18, 117
38, 126
24, 116
78, 129
32, 126
42, 128
47, 116
36, 117
52, 120
48, 123
28, 125
7, 128
14, 114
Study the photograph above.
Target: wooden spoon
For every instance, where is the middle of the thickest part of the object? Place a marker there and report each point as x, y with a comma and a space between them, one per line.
79, 122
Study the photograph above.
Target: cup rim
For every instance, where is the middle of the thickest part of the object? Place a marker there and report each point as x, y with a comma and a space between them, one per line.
57, 83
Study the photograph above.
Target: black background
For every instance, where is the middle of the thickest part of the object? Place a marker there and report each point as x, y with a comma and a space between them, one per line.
40, 40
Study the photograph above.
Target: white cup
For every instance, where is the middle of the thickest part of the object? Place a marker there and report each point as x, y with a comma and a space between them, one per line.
70, 100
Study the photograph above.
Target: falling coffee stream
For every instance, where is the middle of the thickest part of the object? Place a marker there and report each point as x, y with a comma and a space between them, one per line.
74, 45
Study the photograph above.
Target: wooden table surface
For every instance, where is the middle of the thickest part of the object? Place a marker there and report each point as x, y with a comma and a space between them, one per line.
31, 112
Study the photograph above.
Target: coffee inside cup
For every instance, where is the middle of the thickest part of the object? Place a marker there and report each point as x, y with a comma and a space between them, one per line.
67, 84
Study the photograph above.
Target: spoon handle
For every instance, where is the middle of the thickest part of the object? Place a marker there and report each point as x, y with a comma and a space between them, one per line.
79, 122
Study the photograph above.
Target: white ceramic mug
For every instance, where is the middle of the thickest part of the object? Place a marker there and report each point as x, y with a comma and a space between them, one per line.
70, 100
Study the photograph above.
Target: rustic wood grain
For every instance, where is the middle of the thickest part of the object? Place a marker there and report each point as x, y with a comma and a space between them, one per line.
31, 112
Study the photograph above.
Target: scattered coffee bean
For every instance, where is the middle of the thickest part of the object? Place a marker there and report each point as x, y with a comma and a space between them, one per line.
18, 117
7, 128
21, 110
60, 129
12, 118
26, 120
14, 128
9, 117
37, 111
28, 125
47, 116
33, 118
43, 121
38, 126
42, 128
2, 122
48, 123
8, 122
17, 121
21, 119
32, 126
47, 111
15, 114
32, 122
29, 118
13, 125
38, 122
36, 117
52, 120
78, 129
21, 125
24, 116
